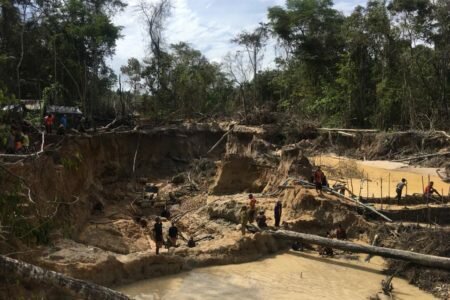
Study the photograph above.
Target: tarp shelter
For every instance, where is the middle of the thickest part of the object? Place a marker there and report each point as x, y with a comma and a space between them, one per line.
73, 114
16, 108
32, 105
61, 110
11, 112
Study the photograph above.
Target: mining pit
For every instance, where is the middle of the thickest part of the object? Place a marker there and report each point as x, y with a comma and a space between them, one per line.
90, 193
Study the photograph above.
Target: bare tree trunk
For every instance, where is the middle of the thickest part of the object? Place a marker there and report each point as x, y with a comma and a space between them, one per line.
244, 104
417, 258
19, 64
87, 290
255, 74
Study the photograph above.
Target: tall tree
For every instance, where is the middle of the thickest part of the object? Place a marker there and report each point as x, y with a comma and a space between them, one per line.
254, 43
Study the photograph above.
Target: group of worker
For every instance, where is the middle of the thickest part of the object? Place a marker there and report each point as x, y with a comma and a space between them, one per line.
158, 236
49, 121
320, 180
18, 141
427, 193
248, 214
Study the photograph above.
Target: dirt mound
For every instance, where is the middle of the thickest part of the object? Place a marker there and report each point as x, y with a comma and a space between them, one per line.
239, 174
292, 164
246, 165
318, 216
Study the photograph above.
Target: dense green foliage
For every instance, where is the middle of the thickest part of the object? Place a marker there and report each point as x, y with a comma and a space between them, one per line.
56, 50
386, 65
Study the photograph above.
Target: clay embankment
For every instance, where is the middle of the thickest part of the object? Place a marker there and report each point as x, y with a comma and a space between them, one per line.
378, 145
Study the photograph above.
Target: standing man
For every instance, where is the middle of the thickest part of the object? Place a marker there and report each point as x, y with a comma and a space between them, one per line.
399, 189
158, 231
318, 179
48, 120
173, 234
277, 213
252, 210
63, 121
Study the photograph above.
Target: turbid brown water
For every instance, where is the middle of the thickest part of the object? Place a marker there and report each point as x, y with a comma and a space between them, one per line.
294, 275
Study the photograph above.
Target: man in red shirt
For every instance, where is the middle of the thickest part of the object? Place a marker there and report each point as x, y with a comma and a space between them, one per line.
429, 190
48, 120
318, 179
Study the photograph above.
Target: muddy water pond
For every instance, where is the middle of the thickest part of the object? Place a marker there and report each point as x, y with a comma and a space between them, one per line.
293, 275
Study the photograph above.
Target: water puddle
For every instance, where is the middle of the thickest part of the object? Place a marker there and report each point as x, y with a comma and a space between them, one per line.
287, 276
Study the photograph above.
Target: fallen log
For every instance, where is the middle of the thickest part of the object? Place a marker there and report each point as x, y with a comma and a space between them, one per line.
413, 257
421, 156
84, 289
348, 130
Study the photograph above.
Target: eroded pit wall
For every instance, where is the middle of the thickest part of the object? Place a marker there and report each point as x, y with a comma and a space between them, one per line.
78, 171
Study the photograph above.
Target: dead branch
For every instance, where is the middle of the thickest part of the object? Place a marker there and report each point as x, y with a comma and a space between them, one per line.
346, 134
221, 139
136, 153
443, 133
422, 156
349, 130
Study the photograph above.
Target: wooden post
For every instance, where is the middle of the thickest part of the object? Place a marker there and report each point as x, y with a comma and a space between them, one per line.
389, 186
381, 195
423, 186
367, 185
406, 195
351, 182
